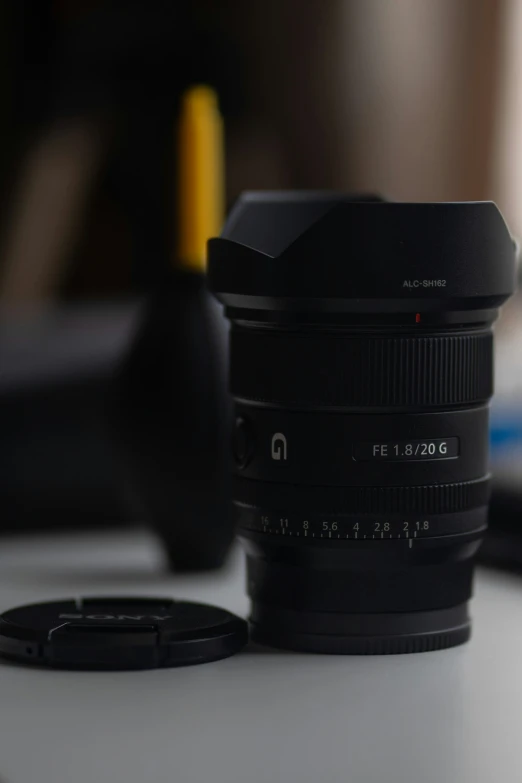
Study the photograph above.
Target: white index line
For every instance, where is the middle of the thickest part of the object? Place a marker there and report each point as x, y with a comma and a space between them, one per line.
57, 628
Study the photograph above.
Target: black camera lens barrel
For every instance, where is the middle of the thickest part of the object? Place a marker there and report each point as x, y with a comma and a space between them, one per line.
361, 366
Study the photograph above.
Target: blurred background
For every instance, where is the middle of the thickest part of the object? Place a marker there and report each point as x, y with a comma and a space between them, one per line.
413, 99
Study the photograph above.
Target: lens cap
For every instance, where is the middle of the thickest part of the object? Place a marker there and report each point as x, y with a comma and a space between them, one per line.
120, 633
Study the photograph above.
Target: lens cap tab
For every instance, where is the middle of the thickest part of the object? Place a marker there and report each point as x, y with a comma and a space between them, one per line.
120, 633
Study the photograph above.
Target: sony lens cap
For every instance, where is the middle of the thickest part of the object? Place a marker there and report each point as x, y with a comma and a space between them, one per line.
120, 633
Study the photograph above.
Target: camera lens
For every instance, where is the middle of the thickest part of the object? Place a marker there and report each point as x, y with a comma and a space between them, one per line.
361, 367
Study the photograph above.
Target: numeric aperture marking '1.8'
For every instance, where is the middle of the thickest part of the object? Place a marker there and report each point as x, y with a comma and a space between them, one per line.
398, 451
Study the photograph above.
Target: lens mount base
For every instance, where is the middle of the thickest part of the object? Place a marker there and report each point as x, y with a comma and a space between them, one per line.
360, 634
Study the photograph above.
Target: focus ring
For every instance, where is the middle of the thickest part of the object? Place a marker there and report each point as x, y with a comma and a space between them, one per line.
431, 499
351, 370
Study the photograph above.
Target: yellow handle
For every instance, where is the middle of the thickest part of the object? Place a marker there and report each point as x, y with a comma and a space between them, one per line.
201, 164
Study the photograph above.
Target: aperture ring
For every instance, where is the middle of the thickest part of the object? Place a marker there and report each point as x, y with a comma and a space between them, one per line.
360, 370
431, 499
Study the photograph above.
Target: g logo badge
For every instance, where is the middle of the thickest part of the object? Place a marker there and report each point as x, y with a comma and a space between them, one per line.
279, 446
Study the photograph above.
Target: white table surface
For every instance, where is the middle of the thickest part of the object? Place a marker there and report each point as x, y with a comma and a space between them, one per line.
259, 717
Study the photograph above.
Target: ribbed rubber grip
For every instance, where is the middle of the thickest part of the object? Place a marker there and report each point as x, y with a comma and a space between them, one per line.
431, 499
361, 370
